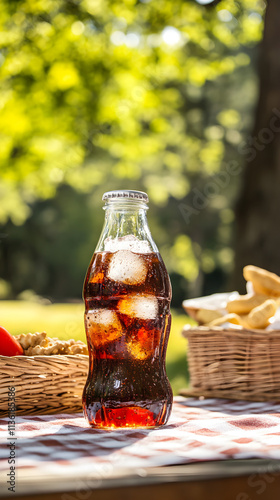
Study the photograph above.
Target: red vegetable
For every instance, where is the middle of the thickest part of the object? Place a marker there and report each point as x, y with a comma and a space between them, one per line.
9, 346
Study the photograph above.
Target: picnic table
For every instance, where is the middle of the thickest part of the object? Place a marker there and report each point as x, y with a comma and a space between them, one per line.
209, 449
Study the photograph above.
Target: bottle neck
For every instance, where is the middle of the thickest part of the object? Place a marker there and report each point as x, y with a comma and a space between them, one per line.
126, 228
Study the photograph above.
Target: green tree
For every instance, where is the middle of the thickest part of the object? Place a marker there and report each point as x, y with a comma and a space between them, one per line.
258, 208
153, 95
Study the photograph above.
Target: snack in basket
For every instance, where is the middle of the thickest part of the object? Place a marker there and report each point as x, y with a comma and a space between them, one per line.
207, 309
251, 311
259, 316
28, 340
237, 355
43, 383
228, 318
264, 282
38, 344
245, 303
208, 316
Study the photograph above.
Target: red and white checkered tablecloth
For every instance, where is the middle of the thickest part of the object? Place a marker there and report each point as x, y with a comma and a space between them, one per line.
198, 430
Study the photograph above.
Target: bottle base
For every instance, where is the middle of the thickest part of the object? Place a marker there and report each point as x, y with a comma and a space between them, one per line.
128, 417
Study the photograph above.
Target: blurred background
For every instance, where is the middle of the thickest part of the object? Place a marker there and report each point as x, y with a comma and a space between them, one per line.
176, 98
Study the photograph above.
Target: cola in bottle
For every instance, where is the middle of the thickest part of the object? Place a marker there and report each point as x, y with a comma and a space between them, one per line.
127, 295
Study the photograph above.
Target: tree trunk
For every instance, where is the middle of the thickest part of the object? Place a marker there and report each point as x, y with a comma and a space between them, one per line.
258, 208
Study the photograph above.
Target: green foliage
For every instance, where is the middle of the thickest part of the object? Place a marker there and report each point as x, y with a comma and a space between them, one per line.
134, 94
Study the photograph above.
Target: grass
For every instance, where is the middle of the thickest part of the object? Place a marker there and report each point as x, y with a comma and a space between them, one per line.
66, 321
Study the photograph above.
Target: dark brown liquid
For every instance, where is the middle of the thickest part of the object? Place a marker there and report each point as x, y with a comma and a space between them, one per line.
127, 319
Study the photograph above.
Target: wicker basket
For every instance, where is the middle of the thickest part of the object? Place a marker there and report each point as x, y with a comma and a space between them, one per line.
234, 364
43, 384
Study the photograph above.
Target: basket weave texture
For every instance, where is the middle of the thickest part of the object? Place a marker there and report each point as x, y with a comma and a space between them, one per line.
43, 384
234, 364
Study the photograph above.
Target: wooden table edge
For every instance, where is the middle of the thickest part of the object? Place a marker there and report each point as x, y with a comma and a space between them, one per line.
245, 478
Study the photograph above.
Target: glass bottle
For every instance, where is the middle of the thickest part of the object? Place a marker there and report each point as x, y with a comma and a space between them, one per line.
127, 296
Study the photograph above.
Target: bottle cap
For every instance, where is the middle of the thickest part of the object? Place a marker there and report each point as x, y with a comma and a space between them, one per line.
126, 193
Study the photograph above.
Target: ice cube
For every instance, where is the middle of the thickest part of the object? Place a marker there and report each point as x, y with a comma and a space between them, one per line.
128, 242
137, 351
139, 306
127, 267
103, 326
97, 278
144, 343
